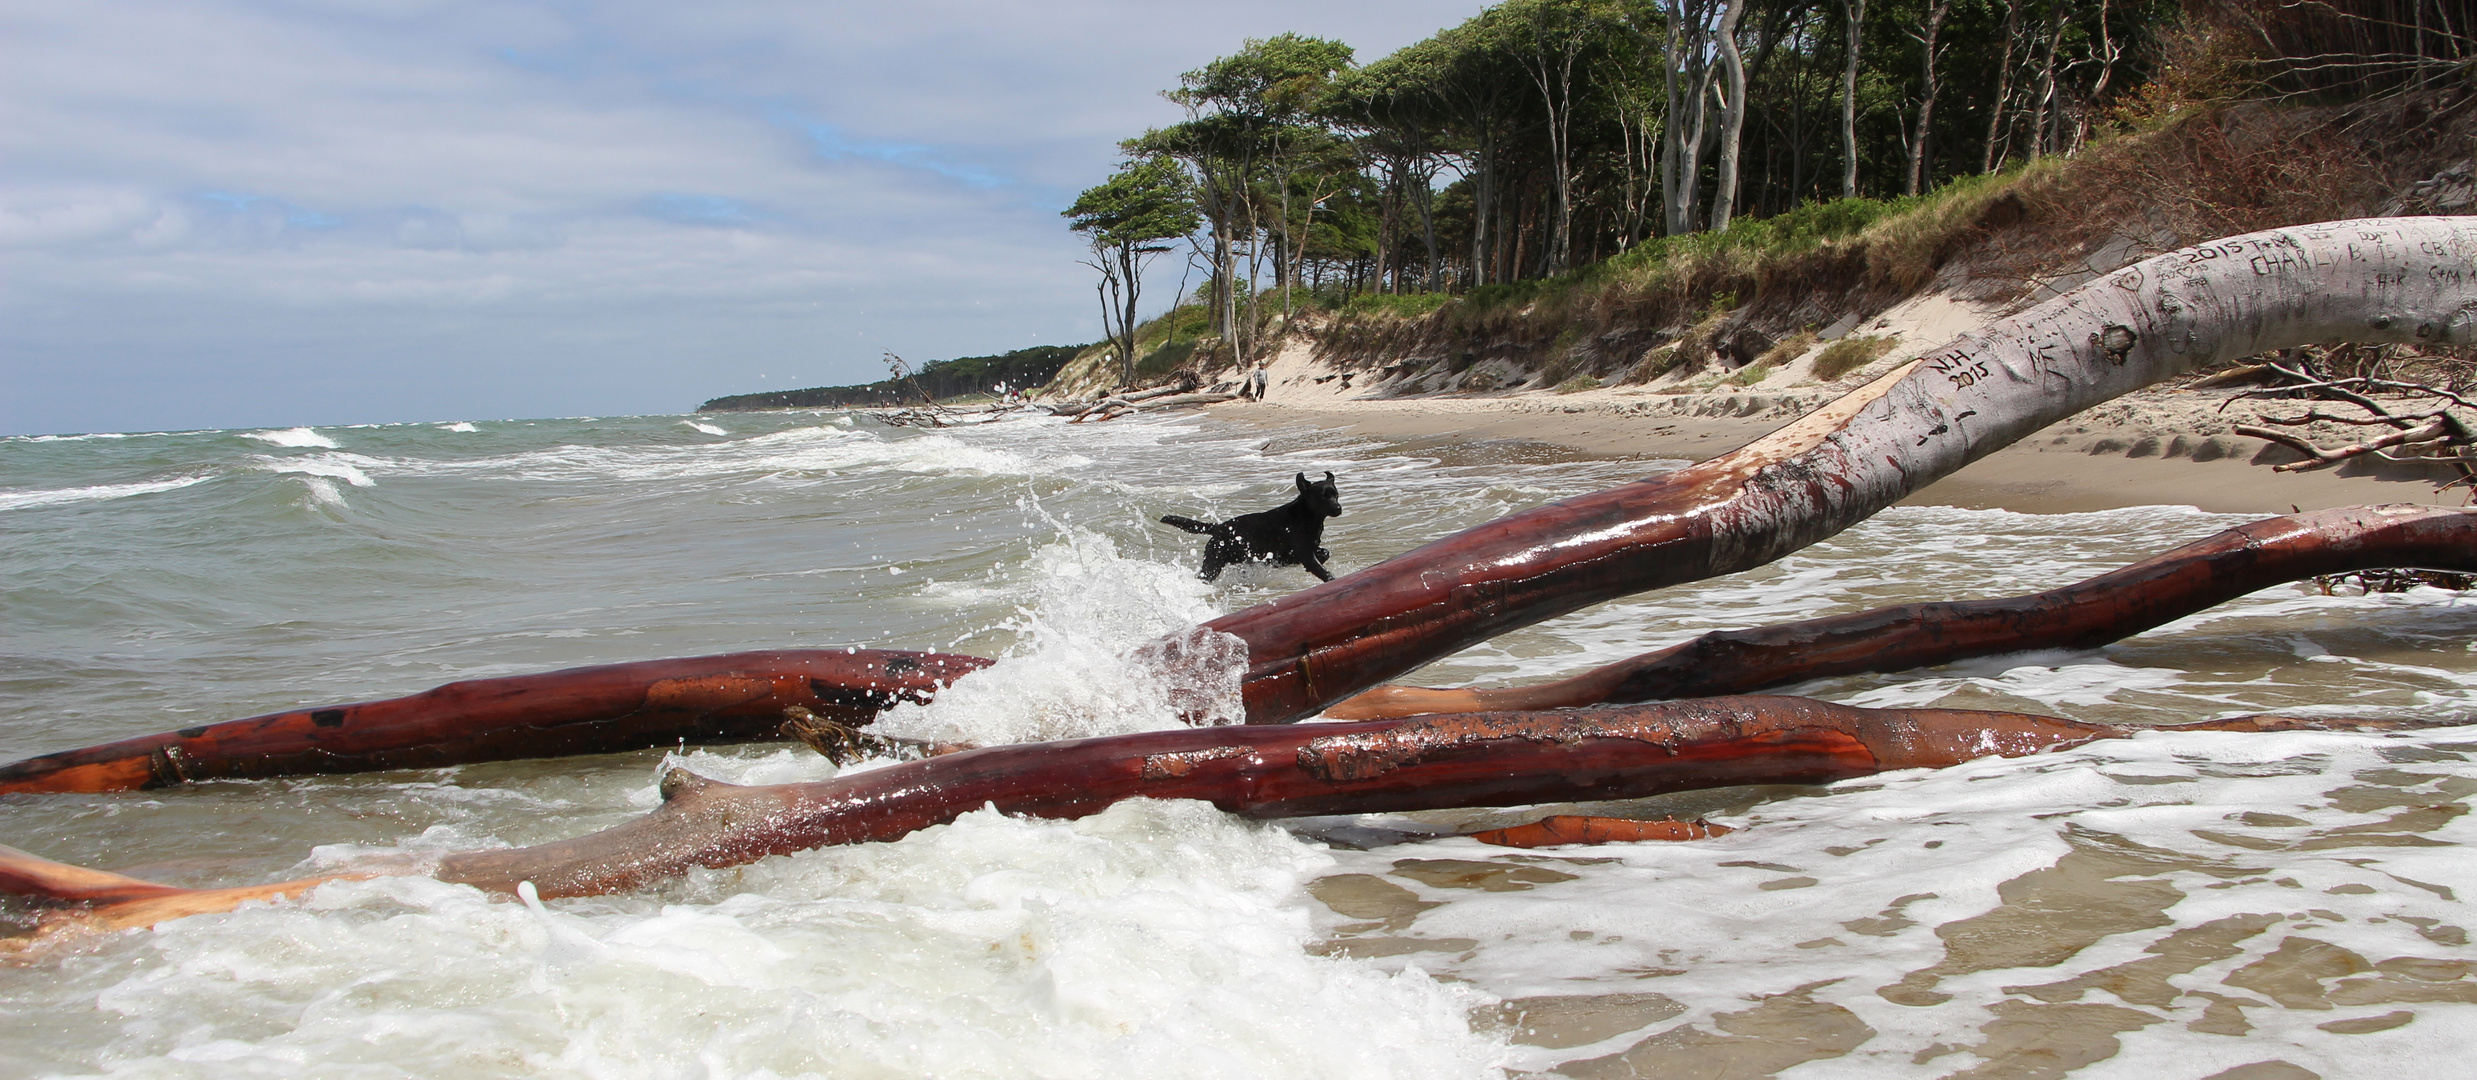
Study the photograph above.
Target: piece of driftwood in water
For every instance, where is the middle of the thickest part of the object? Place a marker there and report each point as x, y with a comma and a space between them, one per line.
2382, 280
734, 697
1560, 830
1422, 763
109, 901
2084, 615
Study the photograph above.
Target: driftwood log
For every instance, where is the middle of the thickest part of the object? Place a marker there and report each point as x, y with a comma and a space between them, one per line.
2083, 615
733, 697
1479, 759
2381, 280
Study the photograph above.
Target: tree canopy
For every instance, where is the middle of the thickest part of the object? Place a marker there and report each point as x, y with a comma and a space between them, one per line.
1540, 136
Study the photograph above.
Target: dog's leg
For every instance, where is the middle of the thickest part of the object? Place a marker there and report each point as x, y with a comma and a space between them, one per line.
1315, 564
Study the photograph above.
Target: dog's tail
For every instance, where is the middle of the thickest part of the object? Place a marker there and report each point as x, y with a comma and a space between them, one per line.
1190, 524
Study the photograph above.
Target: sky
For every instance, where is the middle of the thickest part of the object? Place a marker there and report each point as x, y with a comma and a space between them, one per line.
218, 213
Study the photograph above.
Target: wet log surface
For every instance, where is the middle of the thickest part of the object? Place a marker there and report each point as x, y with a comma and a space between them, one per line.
1429, 762
2379, 280
1420, 763
733, 697
2084, 615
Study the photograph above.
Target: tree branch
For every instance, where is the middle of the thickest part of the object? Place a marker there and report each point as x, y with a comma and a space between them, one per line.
2083, 615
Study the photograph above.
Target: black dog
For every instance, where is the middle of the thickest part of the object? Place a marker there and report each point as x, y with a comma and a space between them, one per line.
1285, 535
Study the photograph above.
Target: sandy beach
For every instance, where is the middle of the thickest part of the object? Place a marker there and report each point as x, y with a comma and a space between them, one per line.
2078, 465
2160, 446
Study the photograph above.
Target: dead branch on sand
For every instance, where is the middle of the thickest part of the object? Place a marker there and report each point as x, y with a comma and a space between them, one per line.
2432, 435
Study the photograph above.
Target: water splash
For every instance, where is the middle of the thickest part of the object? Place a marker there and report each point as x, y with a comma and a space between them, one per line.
299, 436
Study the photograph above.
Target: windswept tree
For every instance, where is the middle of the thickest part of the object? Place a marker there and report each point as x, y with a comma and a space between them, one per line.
1397, 126
1553, 42
1268, 93
1539, 136
1705, 75
1128, 219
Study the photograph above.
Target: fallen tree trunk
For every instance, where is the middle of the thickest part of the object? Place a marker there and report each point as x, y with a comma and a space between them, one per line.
2382, 280
2084, 615
734, 697
1483, 759
1183, 400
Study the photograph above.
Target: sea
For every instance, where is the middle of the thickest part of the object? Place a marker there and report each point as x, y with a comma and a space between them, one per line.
2262, 907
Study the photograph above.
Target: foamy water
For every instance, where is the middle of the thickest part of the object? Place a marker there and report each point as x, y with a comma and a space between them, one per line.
299, 436
2177, 904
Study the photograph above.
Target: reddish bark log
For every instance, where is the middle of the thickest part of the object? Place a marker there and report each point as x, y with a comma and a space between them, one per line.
1560, 830
2084, 615
116, 902
1483, 759
734, 697
1425, 763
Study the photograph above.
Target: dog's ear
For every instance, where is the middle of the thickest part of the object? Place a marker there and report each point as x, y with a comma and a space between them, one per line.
1328, 476
1302, 481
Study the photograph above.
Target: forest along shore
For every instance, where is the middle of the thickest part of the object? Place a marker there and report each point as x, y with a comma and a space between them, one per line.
2162, 446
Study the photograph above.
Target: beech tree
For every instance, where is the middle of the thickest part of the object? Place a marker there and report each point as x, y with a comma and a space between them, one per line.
1129, 218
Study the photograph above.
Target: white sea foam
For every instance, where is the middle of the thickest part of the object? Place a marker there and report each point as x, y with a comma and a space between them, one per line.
299, 436
90, 436
708, 429
345, 467
1153, 940
783, 457
2098, 901
1070, 676
23, 500
460, 425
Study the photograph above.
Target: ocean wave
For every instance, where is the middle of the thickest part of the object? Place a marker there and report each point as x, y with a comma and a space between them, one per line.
299, 436
345, 467
1136, 942
460, 425
816, 451
24, 500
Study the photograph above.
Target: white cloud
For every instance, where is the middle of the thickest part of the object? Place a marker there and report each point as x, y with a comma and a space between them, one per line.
216, 212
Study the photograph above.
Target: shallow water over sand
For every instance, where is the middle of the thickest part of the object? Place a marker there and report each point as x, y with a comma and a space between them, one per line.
2178, 904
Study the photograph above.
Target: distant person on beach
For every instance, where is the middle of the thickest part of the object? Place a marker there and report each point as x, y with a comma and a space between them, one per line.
1254, 387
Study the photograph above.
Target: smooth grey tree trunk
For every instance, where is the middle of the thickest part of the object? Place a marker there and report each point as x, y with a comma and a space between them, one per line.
1732, 116
1688, 80
1922, 140
1849, 103
2003, 89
